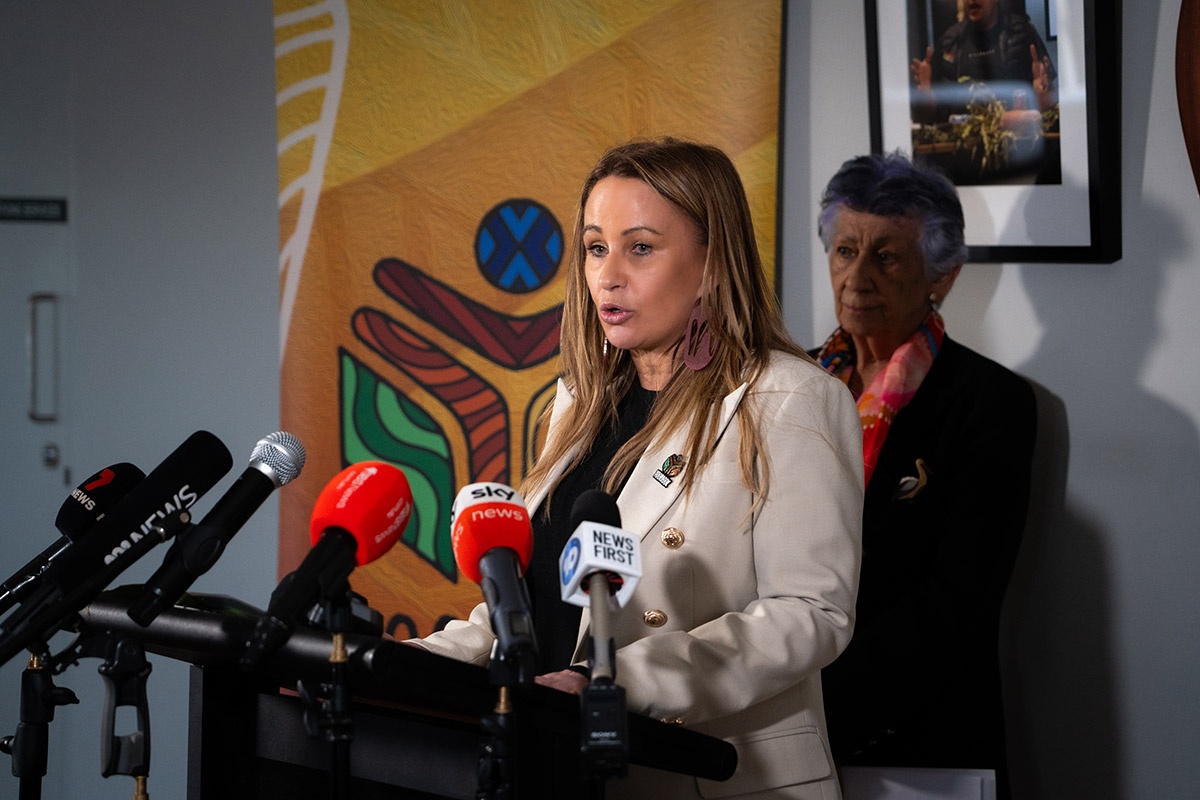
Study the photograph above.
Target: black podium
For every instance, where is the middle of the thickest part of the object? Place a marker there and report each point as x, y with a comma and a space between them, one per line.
416, 715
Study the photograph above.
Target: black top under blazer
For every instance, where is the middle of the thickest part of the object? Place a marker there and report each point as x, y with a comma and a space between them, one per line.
919, 684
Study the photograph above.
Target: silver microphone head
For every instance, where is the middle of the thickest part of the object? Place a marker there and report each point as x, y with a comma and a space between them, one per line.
279, 456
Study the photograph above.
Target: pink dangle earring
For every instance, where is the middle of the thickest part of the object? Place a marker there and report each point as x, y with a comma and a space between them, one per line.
697, 341
604, 352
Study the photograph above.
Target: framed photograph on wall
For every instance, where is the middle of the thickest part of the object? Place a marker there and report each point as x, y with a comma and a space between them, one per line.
1026, 123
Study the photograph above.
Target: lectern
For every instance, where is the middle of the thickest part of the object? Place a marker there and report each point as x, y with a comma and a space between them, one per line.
416, 715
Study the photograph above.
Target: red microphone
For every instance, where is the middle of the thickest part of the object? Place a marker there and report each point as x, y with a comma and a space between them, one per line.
357, 518
492, 539
371, 501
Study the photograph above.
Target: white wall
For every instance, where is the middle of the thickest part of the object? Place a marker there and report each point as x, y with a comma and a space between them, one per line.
168, 163
1101, 648
174, 234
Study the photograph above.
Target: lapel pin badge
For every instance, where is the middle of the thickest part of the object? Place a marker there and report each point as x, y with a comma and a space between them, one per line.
670, 468
911, 486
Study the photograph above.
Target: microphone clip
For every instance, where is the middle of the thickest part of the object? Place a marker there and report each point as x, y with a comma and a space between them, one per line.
516, 667
126, 673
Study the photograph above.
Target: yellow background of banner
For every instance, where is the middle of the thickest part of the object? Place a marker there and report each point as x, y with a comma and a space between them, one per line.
448, 109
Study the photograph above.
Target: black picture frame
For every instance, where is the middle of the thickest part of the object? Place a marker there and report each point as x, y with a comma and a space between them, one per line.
1074, 220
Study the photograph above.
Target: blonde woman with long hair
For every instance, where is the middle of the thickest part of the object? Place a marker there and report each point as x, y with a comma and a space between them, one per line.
732, 455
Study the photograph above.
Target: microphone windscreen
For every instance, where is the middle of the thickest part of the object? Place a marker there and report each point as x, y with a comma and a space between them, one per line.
486, 516
595, 506
95, 497
182, 478
372, 501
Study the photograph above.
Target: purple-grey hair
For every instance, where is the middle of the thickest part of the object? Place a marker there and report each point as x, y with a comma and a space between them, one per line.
890, 186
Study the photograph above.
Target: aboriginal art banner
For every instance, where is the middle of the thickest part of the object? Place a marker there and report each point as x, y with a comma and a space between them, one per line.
430, 160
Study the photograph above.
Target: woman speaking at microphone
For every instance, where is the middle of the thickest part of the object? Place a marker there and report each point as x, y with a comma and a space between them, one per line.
734, 458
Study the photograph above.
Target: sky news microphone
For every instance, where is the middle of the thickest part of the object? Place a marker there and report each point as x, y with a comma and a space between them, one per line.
82, 509
492, 538
276, 459
599, 569
153, 510
357, 518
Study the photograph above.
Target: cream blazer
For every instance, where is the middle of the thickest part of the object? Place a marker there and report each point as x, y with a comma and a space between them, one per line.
735, 615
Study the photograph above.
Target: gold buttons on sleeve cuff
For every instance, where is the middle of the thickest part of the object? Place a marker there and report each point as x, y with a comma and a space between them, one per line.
672, 538
655, 618
671, 720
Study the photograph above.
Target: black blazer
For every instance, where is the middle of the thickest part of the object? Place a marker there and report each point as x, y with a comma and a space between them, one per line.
919, 684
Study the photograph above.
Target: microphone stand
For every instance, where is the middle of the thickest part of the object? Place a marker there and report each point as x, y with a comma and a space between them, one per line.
29, 746
496, 749
513, 664
604, 739
125, 671
331, 717
340, 729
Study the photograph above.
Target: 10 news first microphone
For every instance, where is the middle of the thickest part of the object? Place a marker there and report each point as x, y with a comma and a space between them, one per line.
119, 513
599, 568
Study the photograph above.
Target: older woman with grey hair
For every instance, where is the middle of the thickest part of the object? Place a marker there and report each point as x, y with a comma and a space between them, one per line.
947, 442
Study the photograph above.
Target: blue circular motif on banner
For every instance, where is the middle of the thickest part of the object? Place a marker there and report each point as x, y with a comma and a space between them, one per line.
519, 245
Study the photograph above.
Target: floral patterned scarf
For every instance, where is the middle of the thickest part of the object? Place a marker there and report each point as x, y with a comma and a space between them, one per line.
892, 388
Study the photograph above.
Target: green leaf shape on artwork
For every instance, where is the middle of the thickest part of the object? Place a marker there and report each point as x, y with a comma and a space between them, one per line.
380, 423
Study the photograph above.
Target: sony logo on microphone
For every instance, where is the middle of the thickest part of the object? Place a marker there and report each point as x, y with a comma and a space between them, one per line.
184, 498
84, 500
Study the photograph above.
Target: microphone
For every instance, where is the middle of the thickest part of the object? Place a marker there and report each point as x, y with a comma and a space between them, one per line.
357, 518
492, 539
600, 567
91, 500
86, 505
276, 459
152, 511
